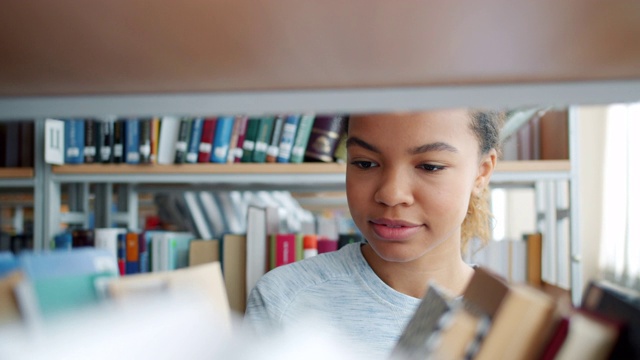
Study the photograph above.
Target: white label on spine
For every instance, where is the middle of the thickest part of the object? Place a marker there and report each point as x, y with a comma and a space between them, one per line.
181, 146
205, 147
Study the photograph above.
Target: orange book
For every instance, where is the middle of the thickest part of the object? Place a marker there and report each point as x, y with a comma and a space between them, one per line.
132, 251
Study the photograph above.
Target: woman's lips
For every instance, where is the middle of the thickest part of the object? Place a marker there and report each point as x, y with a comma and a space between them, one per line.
394, 230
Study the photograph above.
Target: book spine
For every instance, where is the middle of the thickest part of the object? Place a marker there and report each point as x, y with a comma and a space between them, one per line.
63, 241
119, 132
183, 141
132, 141
90, 141
242, 134
27, 130
274, 143
74, 141
233, 142
144, 142
324, 138
122, 253
221, 139
194, 140
132, 264
206, 140
105, 141
155, 137
262, 139
249, 143
288, 136
143, 253
302, 138
285, 249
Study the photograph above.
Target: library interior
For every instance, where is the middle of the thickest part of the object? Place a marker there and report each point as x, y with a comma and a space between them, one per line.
188, 180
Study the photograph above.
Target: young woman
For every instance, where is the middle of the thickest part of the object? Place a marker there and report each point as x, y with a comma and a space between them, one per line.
416, 188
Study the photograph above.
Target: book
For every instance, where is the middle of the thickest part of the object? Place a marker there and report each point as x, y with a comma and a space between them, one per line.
212, 213
257, 253
206, 139
233, 141
203, 251
52, 264
197, 215
221, 139
414, 339
168, 139
122, 253
54, 138
233, 249
249, 142
74, 141
90, 139
182, 143
263, 137
105, 141
534, 258
242, 133
170, 250
107, 238
119, 140
9, 144
287, 138
27, 143
514, 309
205, 279
10, 310
589, 336
83, 238
193, 149
132, 262
155, 138
619, 304
282, 249
324, 138
144, 141
132, 141
302, 138
554, 135
274, 143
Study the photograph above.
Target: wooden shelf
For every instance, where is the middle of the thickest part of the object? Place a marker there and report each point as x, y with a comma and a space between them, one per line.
533, 166
241, 168
198, 46
16, 173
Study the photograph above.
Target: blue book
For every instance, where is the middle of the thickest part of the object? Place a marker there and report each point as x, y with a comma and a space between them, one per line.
194, 140
222, 139
63, 241
132, 141
287, 138
56, 264
74, 141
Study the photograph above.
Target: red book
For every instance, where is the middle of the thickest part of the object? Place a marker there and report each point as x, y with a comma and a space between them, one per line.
283, 249
206, 141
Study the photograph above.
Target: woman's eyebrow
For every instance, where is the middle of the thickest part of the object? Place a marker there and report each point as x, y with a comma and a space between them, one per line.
436, 146
355, 141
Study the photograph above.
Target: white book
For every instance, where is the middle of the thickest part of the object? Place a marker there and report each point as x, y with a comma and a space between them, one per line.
256, 245
54, 141
167, 139
197, 215
212, 212
107, 238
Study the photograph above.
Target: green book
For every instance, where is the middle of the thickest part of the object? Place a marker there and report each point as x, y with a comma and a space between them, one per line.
263, 139
249, 142
302, 137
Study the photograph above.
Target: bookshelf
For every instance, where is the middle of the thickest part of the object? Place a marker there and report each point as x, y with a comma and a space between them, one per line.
357, 64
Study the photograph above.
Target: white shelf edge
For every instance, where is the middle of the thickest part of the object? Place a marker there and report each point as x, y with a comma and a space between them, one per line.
329, 100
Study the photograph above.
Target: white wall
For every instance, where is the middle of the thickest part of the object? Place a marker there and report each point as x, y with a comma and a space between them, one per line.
591, 128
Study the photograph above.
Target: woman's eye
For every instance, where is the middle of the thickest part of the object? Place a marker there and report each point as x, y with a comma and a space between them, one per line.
431, 167
364, 164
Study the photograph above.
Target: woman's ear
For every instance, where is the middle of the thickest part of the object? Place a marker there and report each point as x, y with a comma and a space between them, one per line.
485, 169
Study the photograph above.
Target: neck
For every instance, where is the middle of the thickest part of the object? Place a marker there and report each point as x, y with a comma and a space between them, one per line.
412, 278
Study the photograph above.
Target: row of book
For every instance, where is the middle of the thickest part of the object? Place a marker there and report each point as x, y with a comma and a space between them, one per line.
16, 243
498, 319
16, 144
542, 136
292, 138
244, 257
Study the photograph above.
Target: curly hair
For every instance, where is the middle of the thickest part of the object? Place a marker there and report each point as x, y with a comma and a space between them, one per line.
477, 224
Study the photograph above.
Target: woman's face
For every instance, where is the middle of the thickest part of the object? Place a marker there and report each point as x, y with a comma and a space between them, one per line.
409, 180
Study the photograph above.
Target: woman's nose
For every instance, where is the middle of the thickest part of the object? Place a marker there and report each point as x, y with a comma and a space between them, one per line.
394, 188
